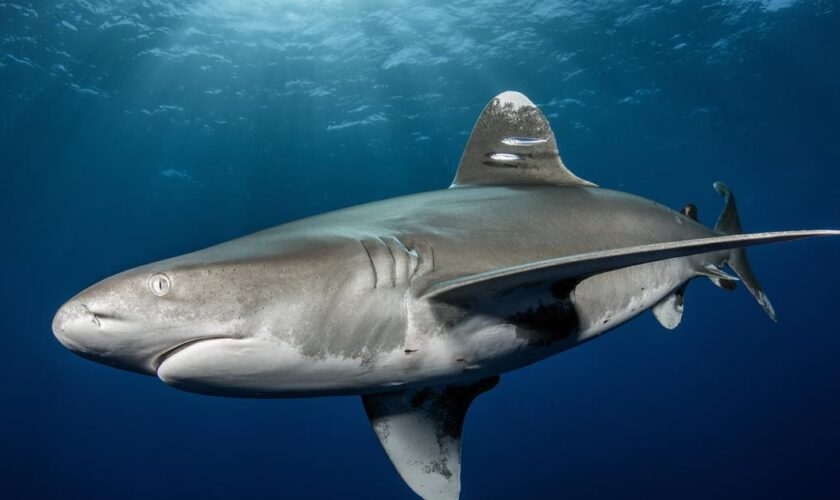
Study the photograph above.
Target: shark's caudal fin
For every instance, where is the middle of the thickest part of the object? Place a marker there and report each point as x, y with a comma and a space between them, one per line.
512, 144
729, 224
420, 430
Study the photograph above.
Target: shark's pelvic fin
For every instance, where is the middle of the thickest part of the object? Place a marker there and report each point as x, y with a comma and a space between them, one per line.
512, 144
420, 430
669, 311
581, 266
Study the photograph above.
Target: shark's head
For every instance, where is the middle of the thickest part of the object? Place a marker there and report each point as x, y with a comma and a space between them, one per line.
233, 319
136, 319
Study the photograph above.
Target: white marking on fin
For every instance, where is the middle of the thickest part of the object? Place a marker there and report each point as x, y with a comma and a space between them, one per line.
511, 128
420, 430
669, 311
515, 99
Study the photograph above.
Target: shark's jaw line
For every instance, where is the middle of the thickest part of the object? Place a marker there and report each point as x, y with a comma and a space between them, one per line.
417, 303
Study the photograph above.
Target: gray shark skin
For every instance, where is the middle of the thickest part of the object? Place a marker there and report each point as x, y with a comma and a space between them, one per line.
416, 303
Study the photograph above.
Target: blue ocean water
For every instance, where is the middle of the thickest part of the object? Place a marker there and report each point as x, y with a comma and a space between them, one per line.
134, 131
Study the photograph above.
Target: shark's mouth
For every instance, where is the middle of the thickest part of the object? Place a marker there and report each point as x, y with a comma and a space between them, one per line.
158, 361
219, 365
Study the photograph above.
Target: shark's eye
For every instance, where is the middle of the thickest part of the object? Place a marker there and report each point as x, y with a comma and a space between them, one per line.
159, 284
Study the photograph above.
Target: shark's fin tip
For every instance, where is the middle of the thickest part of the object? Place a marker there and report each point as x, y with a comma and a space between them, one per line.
512, 144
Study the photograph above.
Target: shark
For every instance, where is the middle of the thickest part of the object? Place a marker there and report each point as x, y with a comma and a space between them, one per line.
418, 303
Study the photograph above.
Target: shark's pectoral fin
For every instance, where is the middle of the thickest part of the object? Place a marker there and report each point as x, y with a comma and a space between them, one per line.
581, 266
512, 143
669, 311
421, 432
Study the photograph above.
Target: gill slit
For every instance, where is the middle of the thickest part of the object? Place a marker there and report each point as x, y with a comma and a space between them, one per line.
372, 265
393, 262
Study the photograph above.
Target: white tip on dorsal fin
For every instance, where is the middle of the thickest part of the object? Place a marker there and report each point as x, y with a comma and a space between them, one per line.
420, 430
512, 144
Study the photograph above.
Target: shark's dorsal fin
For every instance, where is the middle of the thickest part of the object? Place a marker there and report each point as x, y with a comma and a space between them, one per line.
512, 144
420, 430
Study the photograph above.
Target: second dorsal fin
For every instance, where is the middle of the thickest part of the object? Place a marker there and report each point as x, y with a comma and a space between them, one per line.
512, 144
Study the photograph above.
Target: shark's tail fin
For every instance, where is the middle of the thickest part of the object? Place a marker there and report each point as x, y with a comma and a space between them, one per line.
728, 224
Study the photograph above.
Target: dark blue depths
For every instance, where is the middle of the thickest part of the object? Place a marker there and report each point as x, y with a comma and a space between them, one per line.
134, 131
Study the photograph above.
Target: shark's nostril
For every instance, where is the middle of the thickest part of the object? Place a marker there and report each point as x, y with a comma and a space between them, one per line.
73, 324
92, 315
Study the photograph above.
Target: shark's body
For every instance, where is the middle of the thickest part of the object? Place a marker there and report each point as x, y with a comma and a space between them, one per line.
417, 303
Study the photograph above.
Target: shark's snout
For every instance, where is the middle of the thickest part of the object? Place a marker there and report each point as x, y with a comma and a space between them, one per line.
74, 326
127, 327
99, 338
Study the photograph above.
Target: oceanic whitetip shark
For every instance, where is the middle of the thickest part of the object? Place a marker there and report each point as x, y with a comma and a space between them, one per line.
417, 303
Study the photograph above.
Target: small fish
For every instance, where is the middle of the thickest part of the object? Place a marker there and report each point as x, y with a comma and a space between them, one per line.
523, 141
505, 157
